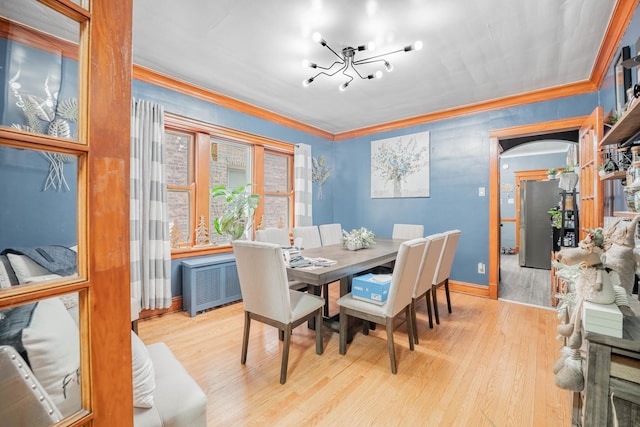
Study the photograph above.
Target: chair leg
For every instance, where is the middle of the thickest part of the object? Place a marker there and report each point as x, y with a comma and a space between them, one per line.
245, 337
428, 298
446, 289
325, 292
285, 353
343, 331
392, 349
414, 319
434, 291
319, 348
410, 326
365, 327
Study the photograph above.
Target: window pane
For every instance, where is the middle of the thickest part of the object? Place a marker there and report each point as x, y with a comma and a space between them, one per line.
230, 165
276, 212
46, 335
179, 218
178, 151
40, 214
276, 173
40, 58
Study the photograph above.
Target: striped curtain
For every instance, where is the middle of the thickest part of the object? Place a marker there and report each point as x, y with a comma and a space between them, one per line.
150, 241
302, 185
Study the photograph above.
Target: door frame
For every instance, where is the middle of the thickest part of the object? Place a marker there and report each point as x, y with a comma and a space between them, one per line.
573, 123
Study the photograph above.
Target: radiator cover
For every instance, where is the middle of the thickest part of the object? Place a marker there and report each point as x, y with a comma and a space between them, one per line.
209, 282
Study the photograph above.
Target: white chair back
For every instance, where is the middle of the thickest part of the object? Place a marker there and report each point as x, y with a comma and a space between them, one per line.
430, 258
263, 279
407, 231
405, 273
330, 234
310, 236
279, 236
443, 271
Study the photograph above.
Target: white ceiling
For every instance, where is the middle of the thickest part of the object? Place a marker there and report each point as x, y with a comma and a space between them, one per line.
474, 51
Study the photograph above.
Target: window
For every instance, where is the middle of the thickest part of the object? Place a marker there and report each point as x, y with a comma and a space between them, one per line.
201, 156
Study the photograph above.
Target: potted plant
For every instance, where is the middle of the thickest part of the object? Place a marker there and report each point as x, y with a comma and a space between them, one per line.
556, 217
551, 173
238, 215
568, 179
358, 238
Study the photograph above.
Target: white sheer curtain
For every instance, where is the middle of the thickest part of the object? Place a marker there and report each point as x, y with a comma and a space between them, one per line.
303, 189
150, 241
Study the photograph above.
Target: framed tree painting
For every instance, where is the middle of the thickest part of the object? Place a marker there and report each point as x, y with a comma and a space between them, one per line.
400, 166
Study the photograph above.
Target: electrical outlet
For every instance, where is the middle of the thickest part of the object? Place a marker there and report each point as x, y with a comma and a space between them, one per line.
480, 268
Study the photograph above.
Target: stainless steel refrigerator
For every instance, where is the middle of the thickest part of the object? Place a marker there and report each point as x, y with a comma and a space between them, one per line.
536, 198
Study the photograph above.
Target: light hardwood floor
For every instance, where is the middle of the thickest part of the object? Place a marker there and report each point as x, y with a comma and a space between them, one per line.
489, 363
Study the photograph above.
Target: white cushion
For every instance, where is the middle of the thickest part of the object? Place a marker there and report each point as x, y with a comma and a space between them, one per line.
52, 343
25, 267
144, 382
5, 276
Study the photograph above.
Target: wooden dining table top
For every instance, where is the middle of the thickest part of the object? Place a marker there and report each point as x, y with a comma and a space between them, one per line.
347, 263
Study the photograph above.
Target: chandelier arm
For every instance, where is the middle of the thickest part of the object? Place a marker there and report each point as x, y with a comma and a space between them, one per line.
357, 72
328, 74
363, 60
334, 52
369, 62
330, 66
346, 67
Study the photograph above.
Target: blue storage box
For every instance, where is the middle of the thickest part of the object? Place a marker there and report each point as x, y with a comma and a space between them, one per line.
371, 287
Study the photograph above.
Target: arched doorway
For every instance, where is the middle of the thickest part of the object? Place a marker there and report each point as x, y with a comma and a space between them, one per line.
513, 134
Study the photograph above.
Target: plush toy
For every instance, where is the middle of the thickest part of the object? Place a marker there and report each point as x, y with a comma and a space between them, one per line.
601, 270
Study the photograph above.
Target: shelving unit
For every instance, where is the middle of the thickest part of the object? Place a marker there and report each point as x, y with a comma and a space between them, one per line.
626, 127
570, 218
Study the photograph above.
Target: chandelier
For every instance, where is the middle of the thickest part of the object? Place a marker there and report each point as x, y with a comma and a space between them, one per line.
347, 63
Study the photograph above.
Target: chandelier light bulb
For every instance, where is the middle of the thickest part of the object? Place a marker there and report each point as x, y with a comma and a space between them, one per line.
371, 46
317, 37
307, 82
343, 86
388, 66
378, 74
305, 63
417, 45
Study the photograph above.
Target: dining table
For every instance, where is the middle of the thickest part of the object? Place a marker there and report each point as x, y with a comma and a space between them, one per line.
348, 263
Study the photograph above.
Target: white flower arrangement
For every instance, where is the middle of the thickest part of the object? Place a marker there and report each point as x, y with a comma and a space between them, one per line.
358, 238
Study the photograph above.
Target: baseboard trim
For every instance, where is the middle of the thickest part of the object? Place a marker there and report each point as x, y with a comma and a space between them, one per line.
469, 288
176, 305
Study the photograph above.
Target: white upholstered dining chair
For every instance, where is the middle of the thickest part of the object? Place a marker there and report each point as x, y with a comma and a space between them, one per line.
399, 299
280, 236
443, 270
309, 234
428, 265
407, 231
330, 234
267, 298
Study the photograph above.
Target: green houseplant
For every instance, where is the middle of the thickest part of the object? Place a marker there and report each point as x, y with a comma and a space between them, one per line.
238, 214
556, 217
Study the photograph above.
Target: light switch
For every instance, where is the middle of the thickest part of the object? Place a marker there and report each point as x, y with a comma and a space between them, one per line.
481, 191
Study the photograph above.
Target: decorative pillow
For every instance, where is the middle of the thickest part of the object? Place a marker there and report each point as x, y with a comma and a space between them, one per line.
7, 276
12, 323
52, 343
144, 382
25, 267
43, 278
